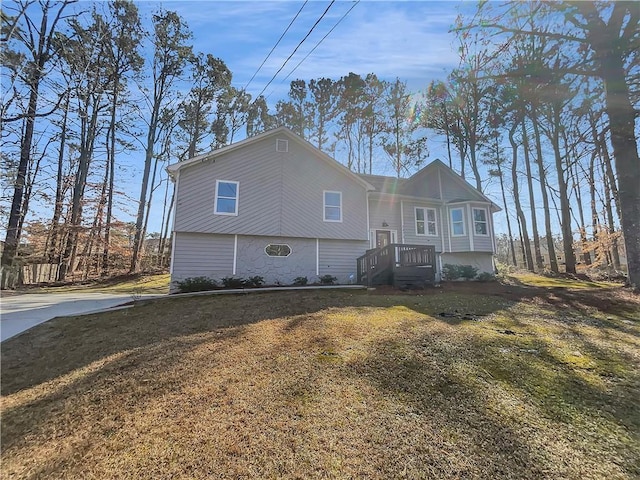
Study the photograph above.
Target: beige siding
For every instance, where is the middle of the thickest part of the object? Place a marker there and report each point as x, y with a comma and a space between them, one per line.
338, 258
202, 255
280, 194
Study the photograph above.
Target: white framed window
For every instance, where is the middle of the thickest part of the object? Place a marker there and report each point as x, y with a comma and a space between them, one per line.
480, 226
277, 250
226, 202
426, 221
332, 206
457, 222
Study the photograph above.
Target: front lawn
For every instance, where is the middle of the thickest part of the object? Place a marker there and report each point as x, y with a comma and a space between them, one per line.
466, 381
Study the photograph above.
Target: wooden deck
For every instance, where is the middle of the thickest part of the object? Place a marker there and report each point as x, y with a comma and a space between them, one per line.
397, 264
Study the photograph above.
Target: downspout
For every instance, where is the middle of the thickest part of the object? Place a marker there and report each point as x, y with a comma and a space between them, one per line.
402, 220
235, 252
368, 220
471, 224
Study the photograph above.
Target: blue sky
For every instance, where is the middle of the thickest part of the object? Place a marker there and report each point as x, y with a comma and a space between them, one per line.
407, 39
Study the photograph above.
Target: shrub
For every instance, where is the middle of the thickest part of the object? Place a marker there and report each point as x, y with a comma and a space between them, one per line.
196, 284
256, 281
300, 281
486, 277
450, 272
232, 282
328, 280
468, 271
454, 272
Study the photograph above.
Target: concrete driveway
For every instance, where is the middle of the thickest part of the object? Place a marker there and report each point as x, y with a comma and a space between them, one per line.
19, 313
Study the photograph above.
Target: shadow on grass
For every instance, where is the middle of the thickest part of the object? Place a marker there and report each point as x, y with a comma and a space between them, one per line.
450, 380
157, 335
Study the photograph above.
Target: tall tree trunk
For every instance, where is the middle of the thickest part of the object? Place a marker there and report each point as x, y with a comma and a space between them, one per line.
516, 197
506, 209
551, 248
52, 252
622, 114
16, 213
615, 251
565, 209
87, 137
532, 202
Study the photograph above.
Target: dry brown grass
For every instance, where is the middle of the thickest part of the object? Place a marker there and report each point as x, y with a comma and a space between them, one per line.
330, 384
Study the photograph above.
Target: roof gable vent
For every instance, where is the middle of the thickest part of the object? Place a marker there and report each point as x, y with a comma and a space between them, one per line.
282, 145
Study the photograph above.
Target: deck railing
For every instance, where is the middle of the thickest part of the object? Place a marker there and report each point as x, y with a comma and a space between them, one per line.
380, 260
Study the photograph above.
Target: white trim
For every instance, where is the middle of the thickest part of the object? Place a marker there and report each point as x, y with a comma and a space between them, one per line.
324, 206
173, 252
486, 221
394, 236
237, 199
451, 233
471, 234
426, 230
318, 256
440, 265
368, 219
173, 227
235, 253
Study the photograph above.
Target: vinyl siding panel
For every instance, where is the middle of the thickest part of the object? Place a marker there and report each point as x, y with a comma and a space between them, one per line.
483, 243
385, 208
305, 178
459, 244
423, 184
280, 194
409, 222
338, 258
252, 259
202, 255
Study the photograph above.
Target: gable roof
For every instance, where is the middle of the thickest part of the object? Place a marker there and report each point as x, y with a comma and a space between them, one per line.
402, 186
175, 168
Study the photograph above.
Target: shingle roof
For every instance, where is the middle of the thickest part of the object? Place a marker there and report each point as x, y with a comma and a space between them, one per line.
384, 184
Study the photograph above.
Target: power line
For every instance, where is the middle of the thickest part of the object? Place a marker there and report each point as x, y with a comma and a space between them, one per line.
318, 44
296, 49
274, 47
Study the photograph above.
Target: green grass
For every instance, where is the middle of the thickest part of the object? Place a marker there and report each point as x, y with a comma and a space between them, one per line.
511, 382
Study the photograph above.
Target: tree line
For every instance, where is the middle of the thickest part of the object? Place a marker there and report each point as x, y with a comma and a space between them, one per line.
541, 112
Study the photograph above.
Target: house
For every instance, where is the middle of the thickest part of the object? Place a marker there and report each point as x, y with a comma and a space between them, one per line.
275, 206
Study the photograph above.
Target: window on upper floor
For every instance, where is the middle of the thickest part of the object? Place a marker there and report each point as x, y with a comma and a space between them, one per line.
480, 221
226, 202
332, 206
457, 222
426, 221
